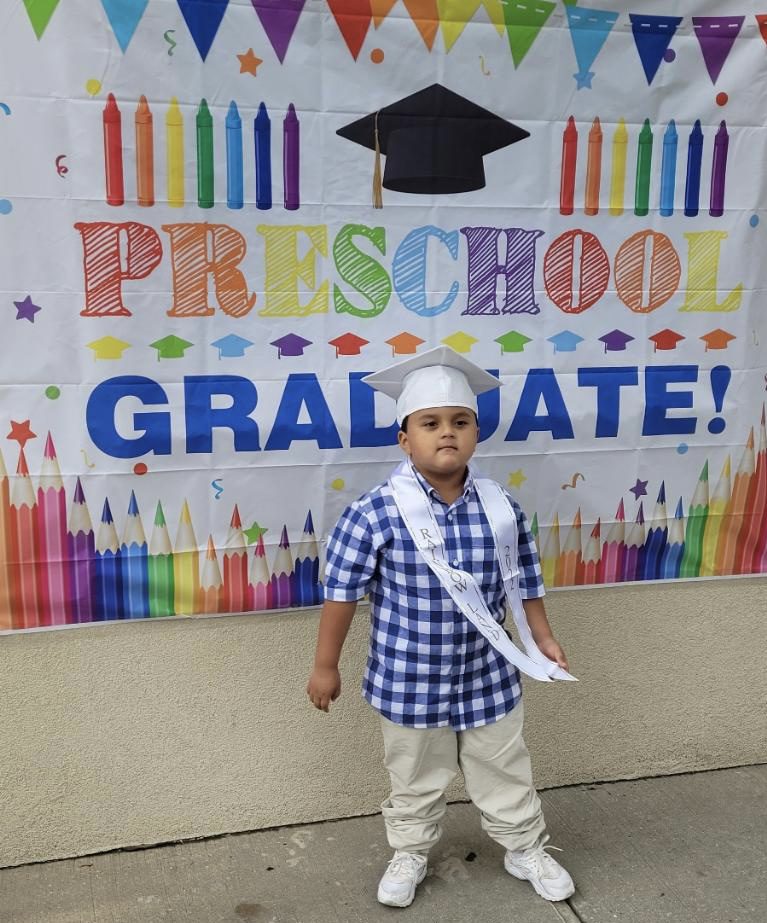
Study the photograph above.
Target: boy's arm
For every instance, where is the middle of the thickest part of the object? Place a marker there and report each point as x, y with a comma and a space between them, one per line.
541, 630
324, 684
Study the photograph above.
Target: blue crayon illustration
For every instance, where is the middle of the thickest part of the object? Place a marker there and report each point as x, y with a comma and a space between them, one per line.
668, 170
134, 565
657, 535
305, 578
694, 157
108, 598
671, 559
234, 190
262, 138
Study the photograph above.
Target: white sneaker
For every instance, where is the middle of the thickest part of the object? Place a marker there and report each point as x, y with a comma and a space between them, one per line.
543, 872
403, 874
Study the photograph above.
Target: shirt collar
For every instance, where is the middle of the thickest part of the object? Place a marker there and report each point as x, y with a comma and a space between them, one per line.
468, 484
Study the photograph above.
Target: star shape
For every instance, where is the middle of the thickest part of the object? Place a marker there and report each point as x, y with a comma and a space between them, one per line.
639, 489
583, 79
254, 533
21, 433
249, 62
517, 478
26, 309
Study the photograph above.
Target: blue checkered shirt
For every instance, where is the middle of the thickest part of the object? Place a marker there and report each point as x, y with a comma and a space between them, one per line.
427, 665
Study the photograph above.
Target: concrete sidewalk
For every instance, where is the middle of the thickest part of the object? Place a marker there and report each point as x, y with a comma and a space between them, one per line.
688, 849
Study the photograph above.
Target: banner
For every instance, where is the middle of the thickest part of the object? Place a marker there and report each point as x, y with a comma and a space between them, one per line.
217, 216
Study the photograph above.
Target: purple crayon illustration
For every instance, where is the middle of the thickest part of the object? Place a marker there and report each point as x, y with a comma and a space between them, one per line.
718, 170
81, 551
634, 554
291, 158
282, 574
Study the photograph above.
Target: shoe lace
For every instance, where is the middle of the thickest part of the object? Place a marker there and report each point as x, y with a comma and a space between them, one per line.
541, 861
404, 863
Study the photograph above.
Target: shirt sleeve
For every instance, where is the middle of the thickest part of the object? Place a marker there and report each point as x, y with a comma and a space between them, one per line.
351, 557
530, 575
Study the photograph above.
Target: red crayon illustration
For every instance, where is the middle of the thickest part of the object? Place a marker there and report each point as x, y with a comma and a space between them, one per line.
592, 556
5, 544
23, 561
210, 581
755, 509
113, 152
614, 549
53, 570
569, 157
234, 596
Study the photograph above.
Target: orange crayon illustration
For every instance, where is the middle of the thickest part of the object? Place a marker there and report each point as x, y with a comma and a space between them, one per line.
113, 152
753, 515
569, 569
593, 169
23, 550
144, 154
727, 543
210, 581
235, 592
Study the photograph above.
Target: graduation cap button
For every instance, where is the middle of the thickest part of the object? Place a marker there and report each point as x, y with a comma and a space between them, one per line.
290, 345
404, 344
108, 348
348, 344
171, 347
615, 341
231, 346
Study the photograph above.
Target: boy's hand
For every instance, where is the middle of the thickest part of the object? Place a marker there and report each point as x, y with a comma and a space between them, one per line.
324, 687
552, 649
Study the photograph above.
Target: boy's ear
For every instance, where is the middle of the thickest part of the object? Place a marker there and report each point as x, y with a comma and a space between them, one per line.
403, 442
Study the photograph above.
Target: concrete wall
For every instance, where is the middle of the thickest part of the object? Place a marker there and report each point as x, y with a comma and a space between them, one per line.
146, 732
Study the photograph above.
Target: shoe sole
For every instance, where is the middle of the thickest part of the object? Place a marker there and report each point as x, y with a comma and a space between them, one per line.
547, 897
388, 902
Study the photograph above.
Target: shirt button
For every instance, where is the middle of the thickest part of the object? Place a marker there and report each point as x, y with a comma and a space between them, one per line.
455, 563
449, 517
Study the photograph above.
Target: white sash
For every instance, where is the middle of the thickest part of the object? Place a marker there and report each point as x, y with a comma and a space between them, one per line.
418, 515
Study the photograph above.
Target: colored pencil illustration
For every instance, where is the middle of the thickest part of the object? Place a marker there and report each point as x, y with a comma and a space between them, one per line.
211, 584
614, 549
569, 567
718, 171
657, 536
727, 542
618, 174
174, 134
53, 569
260, 581
633, 555
760, 545
592, 555
23, 548
306, 576
133, 563
282, 571
291, 131
672, 553
717, 506
81, 552
695, 528
234, 180
6, 594
205, 169
113, 152
186, 566
235, 596
593, 168
550, 554
643, 170
144, 153
569, 160
668, 170
262, 140
160, 568
694, 161
108, 596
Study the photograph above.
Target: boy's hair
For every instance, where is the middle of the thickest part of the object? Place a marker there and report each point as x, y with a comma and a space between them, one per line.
403, 424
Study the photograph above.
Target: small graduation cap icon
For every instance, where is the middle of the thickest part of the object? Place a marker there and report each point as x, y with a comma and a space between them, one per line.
108, 348
615, 341
231, 346
565, 342
290, 345
461, 342
348, 344
404, 344
717, 339
665, 339
170, 347
434, 141
512, 342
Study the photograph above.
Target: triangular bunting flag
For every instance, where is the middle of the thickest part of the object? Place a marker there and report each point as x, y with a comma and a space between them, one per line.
716, 35
425, 15
380, 10
203, 17
454, 14
652, 36
761, 21
124, 16
40, 12
524, 20
353, 18
279, 19
588, 30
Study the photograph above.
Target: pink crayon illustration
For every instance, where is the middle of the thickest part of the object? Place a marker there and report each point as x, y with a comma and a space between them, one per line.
211, 584
614, 549
53, 571
633, 563
23, 547
592, 556
260, 582
5, 544
81, 551
282, 573
235, 592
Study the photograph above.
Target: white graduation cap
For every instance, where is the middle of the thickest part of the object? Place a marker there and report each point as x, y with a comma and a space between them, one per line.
440, 377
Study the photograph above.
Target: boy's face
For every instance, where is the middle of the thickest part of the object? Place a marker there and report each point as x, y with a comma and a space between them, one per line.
440, 440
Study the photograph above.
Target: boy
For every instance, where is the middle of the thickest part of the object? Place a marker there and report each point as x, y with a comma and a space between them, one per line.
441, 552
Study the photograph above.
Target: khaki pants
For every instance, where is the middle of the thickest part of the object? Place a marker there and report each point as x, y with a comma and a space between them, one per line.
422, 762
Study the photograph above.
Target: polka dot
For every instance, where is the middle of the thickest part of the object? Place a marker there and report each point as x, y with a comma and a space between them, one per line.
716, 426
722, 99
92, 86
140, 468
6, 207
338, 484
753, 220
682, 448
377, 55
668, 55
52, 392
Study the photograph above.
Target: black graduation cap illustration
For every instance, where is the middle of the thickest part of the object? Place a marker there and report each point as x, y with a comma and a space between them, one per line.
434, 142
